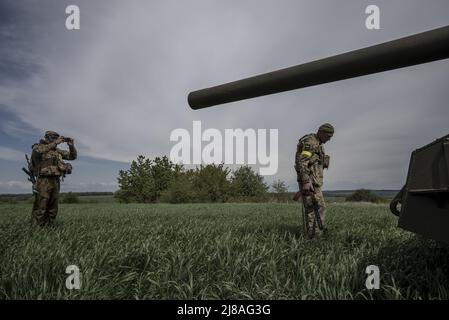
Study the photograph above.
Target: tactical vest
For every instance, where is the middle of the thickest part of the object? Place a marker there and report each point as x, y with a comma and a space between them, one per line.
48, 164
318, 160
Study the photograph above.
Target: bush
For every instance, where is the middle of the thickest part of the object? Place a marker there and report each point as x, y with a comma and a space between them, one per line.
211, 183
146, 179
363, 195
70, 198
280, 191
247, 184
160, 180
279, 186
180, 190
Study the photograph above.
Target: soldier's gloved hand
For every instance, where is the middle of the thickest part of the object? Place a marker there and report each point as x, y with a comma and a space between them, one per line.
70, 142
307, 187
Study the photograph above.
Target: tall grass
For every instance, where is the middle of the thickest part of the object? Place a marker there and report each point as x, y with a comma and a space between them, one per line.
215, 251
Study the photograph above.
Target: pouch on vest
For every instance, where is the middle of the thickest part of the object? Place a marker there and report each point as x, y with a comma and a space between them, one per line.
50, 171
65, 168
326, 161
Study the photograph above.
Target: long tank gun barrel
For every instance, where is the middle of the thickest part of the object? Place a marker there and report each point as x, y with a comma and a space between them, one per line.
416, 49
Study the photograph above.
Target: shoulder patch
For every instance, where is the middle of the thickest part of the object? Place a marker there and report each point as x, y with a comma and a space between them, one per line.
306, 154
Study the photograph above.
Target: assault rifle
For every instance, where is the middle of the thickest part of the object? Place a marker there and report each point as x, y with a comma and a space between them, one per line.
30, 174
315, 206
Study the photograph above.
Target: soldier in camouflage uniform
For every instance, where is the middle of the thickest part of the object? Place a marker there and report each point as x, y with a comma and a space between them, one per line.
48, 166
310, 161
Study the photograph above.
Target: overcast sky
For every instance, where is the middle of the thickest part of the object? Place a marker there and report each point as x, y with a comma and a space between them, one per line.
119, 85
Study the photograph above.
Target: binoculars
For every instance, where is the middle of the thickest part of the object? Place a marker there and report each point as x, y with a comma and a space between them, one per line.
67, 139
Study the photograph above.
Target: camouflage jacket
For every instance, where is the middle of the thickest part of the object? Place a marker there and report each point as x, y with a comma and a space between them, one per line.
310, 160
47, 159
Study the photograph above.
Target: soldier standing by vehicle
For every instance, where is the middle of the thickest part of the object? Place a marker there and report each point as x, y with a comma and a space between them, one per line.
310, 161
48, 166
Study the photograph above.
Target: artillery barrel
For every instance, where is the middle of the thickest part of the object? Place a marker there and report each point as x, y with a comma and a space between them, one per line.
416, 49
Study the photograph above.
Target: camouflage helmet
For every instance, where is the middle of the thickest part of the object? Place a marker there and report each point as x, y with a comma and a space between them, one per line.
51, 135
327, 128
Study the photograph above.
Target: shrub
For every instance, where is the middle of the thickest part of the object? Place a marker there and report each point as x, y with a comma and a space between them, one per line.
146, 179
247, 184
149, 181
279, 186
280, 191
211, 183
364, 195
70, 198
180, 190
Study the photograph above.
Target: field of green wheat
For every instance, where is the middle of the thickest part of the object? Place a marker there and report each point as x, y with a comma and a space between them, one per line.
215, 251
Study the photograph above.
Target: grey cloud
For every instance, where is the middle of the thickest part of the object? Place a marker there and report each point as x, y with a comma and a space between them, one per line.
13, 186
10, 154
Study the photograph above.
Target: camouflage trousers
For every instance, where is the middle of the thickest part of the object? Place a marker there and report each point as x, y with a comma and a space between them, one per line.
314, 221
45, 207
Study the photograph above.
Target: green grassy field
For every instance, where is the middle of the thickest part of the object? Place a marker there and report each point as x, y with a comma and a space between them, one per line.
215, 251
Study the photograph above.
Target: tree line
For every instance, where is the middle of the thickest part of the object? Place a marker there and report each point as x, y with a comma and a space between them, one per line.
161, 180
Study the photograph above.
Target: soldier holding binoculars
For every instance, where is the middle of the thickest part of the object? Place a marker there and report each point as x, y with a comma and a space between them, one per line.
48, 166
